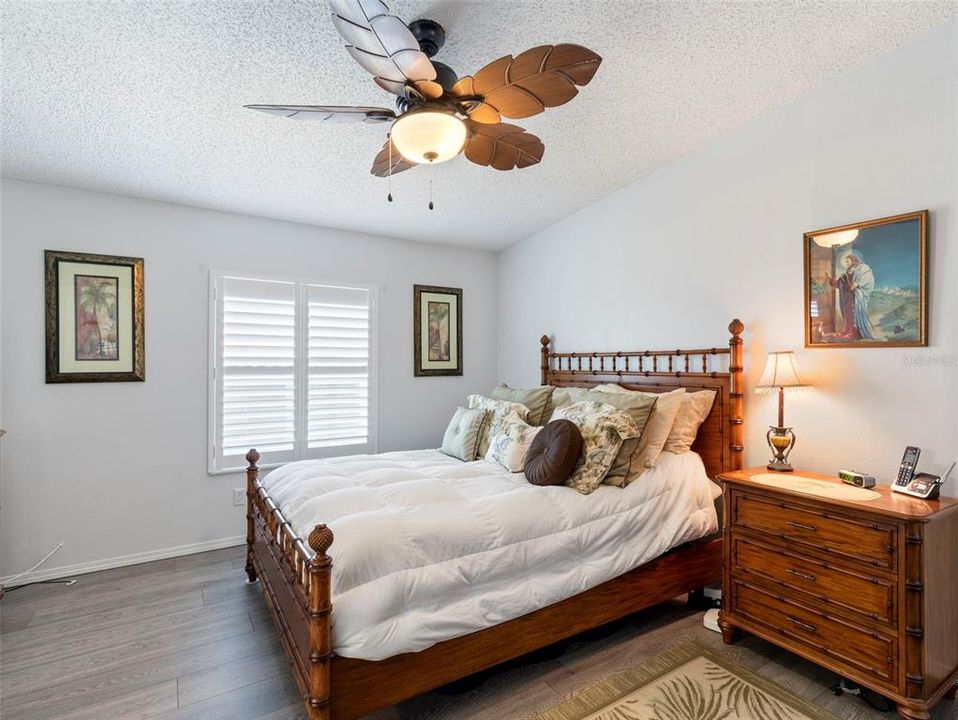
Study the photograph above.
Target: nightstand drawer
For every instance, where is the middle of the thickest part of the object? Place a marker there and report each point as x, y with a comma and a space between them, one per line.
870, 542
833, 589
863, 651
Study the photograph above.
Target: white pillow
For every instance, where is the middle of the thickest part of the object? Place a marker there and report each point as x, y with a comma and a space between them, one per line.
500, 409
508, 447
695, 408
656, 432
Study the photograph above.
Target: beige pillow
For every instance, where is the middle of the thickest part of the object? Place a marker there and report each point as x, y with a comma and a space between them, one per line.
500, 409
603, 429
508, 447
695, 408
536, 399
562, 396
655, 434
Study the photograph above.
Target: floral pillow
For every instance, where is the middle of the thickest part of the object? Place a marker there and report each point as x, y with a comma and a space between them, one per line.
603, 429
508, 447
499, 411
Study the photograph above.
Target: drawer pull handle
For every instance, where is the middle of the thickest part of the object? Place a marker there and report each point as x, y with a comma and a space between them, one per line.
803, 576
803, 625
800, 526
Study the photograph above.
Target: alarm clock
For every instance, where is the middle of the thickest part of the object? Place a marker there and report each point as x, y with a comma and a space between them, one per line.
857, 479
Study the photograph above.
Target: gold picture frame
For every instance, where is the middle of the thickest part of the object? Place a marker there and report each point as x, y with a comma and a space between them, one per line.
94, 318
866, 283
437, 331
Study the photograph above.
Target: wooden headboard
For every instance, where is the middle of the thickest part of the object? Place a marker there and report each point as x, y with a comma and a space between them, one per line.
720, 439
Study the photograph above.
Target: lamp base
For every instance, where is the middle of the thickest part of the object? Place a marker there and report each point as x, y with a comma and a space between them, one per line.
781, 440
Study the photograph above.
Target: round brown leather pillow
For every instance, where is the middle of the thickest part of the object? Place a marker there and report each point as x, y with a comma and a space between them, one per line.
553, 454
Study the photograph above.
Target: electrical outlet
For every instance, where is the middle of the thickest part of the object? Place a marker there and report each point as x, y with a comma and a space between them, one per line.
239, 497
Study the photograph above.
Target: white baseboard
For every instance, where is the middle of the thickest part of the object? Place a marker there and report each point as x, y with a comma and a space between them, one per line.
66, 571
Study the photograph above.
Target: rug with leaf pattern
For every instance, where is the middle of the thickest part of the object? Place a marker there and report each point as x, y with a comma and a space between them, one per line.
691, 682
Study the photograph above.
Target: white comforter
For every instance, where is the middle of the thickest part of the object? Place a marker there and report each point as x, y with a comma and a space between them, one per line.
428, 548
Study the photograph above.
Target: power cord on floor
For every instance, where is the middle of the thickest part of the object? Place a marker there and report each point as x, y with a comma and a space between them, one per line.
71, 581
4, 590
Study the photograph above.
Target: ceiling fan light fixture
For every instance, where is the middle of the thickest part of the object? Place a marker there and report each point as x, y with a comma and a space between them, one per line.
428, 136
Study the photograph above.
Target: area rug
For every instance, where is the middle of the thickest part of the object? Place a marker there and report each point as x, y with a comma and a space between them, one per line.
691, 682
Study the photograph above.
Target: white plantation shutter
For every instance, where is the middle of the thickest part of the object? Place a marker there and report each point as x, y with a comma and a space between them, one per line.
338, 366
292, 371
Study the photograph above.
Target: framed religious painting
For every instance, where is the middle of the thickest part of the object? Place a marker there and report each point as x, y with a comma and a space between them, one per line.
94, 318
866, 284
437, 330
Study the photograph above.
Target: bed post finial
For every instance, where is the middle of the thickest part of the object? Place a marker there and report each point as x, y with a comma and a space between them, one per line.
320, 625
252, 472
545, 340
320, 539
737, 395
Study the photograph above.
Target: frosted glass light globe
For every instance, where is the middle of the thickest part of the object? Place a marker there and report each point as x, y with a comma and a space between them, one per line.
428, 136
839, 237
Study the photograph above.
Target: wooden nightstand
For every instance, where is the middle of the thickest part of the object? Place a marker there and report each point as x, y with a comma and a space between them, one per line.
867, 589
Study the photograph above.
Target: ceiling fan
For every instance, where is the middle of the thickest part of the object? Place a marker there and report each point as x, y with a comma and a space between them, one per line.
438, 115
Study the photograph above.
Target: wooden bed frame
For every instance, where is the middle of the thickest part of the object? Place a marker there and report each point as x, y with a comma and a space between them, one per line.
295, 574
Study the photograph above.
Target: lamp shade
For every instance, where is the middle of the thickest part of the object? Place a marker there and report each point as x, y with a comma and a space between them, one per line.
428, 136
781, 371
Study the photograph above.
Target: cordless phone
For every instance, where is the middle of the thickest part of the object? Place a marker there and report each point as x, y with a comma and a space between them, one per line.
906, 470
920, 485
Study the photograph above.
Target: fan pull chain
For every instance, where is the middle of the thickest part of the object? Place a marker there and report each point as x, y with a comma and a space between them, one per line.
431, 206
389, 139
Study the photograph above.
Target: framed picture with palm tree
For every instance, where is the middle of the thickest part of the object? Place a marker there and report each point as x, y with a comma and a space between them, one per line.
94, 317
437, 330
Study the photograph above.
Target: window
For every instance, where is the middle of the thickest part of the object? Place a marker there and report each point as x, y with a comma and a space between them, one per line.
292, 370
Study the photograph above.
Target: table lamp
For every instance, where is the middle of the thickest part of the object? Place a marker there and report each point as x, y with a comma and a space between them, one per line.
781, 371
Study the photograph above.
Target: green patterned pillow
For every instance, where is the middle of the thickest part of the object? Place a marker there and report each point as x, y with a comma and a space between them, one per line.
499, 410
603, 429
639, 407
508, 447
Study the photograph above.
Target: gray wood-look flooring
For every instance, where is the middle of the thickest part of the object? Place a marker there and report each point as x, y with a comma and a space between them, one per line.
186, 639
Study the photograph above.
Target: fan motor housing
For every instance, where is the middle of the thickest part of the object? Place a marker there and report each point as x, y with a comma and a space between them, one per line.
445, 75
430, 34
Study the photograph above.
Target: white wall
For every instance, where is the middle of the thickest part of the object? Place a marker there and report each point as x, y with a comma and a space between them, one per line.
115, 469
668, 260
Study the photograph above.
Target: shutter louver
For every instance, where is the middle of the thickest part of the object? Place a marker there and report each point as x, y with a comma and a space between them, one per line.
338, 367
258, 346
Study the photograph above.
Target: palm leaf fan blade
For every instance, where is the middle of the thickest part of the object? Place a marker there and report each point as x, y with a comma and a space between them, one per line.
381, 162
502, 147
382, 44
541, 77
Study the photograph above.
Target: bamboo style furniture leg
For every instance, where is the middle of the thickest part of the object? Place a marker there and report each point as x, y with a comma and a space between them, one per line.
252, 471
730, 633
320, 625
906, 713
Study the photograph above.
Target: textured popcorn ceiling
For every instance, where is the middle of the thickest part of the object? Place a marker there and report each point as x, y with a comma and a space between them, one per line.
145, 99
